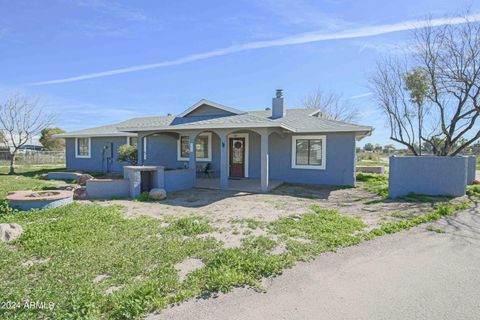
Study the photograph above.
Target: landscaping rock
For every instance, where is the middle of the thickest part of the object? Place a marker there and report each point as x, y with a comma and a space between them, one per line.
158, 194
44, 176
476, 181
80, 193
9, 231
84, 178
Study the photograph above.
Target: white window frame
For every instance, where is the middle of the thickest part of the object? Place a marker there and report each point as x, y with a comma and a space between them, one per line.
179, 148
144, 148
128, 140
308, 166
89, 148
246, 146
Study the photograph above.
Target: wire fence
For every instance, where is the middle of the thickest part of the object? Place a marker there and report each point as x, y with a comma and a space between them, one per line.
30, 157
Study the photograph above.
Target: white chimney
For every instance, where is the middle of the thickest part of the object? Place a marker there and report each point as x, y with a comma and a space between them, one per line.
278, 105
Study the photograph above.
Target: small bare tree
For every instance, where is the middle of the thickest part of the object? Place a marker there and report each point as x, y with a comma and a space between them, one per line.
21, 118
431, 97
331, 105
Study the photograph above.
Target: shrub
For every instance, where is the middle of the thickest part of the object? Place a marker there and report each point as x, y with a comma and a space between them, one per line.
128, 153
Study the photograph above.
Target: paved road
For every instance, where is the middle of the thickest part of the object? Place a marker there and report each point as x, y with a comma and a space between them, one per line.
416, 274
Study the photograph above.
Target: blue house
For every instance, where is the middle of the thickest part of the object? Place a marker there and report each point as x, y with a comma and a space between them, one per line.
222, 145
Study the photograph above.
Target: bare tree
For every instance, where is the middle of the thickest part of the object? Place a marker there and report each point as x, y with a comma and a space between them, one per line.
432, 96
21, 118
331, 105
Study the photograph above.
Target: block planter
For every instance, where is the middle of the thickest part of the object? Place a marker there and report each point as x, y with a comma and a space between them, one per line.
428, 175
107, 188
45, 199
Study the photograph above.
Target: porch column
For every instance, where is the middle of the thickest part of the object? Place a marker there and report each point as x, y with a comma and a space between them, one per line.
264, 180
192, 164
223, 160
140, 147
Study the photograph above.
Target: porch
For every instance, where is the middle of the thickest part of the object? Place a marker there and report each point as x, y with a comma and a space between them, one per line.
245, 185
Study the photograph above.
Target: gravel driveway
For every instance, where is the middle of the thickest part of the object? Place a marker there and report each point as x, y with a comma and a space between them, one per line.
418, 274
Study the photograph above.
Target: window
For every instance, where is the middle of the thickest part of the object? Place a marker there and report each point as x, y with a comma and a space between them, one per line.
133, 141
82, 147
203, 147
308, 152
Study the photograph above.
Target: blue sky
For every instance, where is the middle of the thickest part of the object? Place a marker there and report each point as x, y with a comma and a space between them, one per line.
166, 55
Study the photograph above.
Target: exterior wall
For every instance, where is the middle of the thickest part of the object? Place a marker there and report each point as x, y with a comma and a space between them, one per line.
107, 189
176, 180
340, 161
472, 167
162, 150
427, 175
95, 163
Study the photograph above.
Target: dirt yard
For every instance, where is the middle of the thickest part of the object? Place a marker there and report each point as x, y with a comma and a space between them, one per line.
238, 214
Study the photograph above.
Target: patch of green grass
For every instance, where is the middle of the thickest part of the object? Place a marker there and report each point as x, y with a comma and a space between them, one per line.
324, 230
393, 227
372, 163
251, 223
434, 229
403, 215
473, 191
374, 183
189, 226
145, 197
83, 241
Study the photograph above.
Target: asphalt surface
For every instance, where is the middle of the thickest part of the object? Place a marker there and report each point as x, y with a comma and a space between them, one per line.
416, 274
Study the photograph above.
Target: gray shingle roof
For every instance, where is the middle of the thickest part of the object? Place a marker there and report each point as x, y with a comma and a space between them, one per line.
295, 120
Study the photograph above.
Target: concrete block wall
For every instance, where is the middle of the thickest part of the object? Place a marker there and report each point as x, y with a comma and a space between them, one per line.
429, 175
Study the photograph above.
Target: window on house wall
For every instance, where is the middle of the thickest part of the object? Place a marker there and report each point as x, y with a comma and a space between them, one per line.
82, 147
308, 152
133, 141
203, 147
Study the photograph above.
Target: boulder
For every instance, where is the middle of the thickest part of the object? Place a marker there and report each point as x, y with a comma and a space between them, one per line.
80, 193
9, 231
158, 194
84, 177
476, 181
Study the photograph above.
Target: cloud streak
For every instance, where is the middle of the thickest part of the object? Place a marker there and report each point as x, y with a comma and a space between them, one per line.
302, 38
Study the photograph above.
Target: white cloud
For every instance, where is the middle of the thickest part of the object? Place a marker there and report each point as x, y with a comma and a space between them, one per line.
361, 95
309, 37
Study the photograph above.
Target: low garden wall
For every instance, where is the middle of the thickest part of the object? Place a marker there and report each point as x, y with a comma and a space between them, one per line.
372, 169
429, 175
108, 188
178, 179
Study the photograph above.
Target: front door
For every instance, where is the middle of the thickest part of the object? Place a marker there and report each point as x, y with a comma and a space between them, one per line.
237, 157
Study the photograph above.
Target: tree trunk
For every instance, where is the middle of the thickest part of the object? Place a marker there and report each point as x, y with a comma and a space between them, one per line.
12, 164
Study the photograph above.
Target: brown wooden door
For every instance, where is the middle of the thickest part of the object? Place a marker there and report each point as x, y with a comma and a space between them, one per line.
237, 157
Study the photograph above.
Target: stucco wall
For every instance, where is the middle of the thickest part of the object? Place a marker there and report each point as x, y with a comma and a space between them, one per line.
107, 189
472, 167
340, 161
162, 150
427, 175
176, 180
95, 163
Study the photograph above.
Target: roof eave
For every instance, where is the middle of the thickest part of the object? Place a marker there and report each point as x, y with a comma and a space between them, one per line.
93, 135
